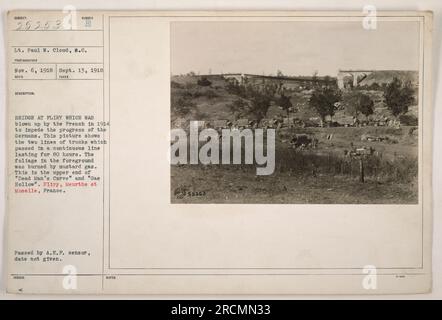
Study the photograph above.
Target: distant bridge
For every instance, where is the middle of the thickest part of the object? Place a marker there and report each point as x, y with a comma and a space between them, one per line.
356, 75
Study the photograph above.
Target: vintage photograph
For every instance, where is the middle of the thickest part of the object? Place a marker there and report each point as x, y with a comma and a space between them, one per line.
294, 112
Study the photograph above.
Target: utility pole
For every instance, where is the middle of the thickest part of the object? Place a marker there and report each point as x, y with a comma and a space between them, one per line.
361, 169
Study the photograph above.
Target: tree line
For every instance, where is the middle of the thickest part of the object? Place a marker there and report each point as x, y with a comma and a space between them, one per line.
254, 100
398, 97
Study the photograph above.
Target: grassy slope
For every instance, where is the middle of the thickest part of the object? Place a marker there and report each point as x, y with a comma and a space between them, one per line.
386, 76
212, 102
216, 108
231, 185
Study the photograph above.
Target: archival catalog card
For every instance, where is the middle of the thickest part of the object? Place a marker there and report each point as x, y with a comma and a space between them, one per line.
219, 152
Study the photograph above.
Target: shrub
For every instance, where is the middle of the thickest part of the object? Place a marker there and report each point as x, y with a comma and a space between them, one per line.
357, 102
398, 96
324, 100
204, 82
176, 85
408, 120
211, 94
182, 106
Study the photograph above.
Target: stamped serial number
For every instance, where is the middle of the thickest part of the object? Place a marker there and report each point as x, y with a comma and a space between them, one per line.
181, 193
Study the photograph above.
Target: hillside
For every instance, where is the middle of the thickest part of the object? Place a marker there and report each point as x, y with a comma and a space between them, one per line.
210, 103
386, 76
213, 101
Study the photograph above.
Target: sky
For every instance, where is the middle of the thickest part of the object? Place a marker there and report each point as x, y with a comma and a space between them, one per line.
295, 48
